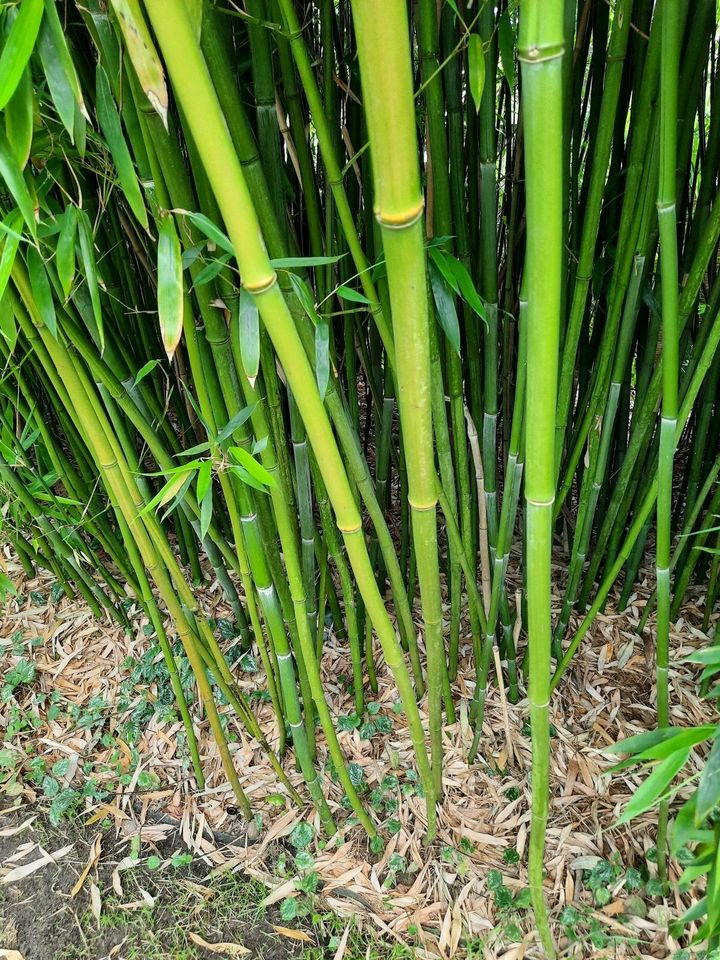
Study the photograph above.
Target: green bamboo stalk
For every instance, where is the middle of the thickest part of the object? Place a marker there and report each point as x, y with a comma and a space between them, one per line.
193, 87
540, 49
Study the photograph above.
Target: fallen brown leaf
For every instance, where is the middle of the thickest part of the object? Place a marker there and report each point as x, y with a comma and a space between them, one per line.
229, 949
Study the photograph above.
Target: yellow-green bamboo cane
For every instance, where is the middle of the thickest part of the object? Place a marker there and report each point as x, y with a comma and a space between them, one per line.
541, 56
381, 29
193, 88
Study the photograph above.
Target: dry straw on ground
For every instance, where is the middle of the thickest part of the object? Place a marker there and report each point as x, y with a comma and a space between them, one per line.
607, 695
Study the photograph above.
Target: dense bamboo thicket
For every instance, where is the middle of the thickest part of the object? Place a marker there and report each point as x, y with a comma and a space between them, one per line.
349, 306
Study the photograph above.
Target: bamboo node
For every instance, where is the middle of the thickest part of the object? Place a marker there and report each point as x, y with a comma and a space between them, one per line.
536, 54
540, 503
402, 220
350, 529
423, 507
261, 286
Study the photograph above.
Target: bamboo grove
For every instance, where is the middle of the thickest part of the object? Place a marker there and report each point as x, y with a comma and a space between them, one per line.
398, 318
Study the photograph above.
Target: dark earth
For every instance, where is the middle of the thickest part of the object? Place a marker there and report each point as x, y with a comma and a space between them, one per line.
42, 921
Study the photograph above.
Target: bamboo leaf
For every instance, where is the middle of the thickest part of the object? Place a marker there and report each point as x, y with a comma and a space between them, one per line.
87, 253
12, 240
8, 326
206, 226
170, 286
144, 371
247, 477
476, 68
18, 47
347, 293
61, 75
248, 331
289, 263
322, 356
65, 250
458, 277
12, 175
143, 54
241, 417
168, 490
683, 738
204, 479
255, 469
447, 315
649, 792
302, 291
19, 119
206, 511
211, 270
41, 289
708, 792
506, 45
112, 131
179, 497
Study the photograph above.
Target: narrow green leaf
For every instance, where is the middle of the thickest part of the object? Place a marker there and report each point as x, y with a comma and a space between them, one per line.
19, 119
241, 417
206, 511
710, 655
42, 292
60, 73
112, 131
655, 786
476, 68
255, 469
211, 231
248, 331
641, 741
144, 371
288, 263
168, 490
708, 792
170, 286
247, 477
447, 315
347, 293
683, 738
204, 479
143, 54
322, 356
65, 250
304, 295
18, 47
8, 326
12, 175
9, 249
506, 44
178, 498
211, 270
87, 253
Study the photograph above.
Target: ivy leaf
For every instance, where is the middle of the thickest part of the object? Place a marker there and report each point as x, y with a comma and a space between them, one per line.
302, 835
